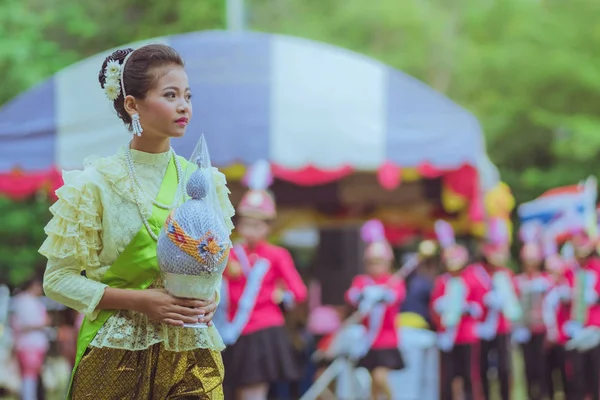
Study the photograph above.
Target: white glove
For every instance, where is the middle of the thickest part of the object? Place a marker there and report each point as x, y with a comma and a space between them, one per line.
371, 295
228, 334
473, 309
572, 328
439, 305
539, 286
374, 293
591, 297
288, 300
493, 300
358, 350
521, 335
444, 342
485, 332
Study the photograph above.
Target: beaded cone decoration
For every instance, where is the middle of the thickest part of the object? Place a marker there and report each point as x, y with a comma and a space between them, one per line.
194, 244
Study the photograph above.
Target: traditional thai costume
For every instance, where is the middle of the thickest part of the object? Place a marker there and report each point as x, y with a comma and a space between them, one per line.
103, 234
455, 307
259, 350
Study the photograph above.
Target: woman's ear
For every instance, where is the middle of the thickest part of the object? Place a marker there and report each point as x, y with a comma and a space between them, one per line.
130, 105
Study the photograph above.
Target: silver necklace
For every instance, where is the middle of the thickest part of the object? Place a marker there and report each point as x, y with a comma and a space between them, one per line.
134, 179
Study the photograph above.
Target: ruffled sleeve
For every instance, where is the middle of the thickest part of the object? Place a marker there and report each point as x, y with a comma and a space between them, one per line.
223, 193
73, 243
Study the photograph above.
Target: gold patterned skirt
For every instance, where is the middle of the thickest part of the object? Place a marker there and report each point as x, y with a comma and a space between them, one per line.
151, 374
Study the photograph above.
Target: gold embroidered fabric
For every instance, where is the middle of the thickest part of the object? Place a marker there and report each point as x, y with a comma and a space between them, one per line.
94, 219
152, 374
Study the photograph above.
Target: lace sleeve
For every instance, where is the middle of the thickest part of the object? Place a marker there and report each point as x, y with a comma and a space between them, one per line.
73, 243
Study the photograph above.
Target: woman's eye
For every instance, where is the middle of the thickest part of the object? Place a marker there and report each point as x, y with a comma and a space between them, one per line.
170, 95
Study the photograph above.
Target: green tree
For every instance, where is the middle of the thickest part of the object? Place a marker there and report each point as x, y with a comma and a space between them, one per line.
527, 69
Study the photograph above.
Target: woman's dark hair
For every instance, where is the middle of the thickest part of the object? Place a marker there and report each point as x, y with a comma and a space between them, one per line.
139, 75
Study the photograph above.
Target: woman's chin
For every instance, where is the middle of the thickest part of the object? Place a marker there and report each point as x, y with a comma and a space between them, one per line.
177, 133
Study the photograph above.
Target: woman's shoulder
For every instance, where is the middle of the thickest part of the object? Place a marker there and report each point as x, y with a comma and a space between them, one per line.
104, 173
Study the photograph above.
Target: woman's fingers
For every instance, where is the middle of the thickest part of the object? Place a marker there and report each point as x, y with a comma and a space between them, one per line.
207, 318
173, 322
191, 303
209, 308
185, 318
188, 312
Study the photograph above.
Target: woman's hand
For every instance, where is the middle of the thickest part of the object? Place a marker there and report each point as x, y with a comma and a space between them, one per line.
160, 306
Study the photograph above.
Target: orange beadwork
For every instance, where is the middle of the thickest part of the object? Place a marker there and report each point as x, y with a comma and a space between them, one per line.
204, 249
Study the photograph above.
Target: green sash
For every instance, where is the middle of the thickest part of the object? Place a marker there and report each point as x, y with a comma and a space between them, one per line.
135, 268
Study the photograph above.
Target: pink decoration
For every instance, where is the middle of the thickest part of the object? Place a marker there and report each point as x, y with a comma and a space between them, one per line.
389, 175
476, 210
550, 247
444, 233
498, 232
530, 232
323, 320
372, 231
259, 175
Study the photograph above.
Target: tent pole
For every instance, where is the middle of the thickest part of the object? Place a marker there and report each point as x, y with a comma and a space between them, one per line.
236, 15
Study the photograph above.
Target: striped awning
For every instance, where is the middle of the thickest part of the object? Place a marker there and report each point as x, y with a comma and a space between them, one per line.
296, 102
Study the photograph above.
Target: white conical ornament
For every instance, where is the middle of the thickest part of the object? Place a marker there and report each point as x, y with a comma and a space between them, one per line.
135, 125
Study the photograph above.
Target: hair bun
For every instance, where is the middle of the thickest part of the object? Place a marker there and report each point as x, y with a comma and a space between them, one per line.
119, 56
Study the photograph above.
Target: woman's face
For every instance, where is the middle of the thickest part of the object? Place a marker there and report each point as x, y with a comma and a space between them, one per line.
167, 109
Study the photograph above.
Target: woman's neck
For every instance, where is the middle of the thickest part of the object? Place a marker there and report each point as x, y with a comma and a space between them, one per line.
152, 146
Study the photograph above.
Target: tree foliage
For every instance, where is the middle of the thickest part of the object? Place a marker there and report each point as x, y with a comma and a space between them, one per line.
528, 69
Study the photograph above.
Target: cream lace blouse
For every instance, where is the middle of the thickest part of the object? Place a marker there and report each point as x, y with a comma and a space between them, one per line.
94, 219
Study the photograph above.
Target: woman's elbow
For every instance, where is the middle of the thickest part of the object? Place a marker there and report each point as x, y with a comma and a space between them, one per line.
52, 282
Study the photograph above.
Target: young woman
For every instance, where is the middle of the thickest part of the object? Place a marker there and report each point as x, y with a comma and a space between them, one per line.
455, 307
379, 294
530, 331
101, 246
31, 342
259, 349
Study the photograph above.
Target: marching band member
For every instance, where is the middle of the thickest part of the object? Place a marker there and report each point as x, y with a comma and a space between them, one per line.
378, 294
584, 325
555, 314
259, 349
502, 307
29, 320
530, 332
455, 309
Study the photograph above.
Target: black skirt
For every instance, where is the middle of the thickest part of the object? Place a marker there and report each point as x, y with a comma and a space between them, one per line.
387, 358
265, 356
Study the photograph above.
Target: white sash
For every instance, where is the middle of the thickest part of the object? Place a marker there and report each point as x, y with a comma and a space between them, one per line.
500, 283
376, 316
254, 275
549, 313
456, 293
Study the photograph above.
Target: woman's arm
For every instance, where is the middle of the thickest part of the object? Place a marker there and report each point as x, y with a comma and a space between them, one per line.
158, 305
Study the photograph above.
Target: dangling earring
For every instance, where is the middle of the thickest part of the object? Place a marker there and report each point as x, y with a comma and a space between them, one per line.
135, 125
